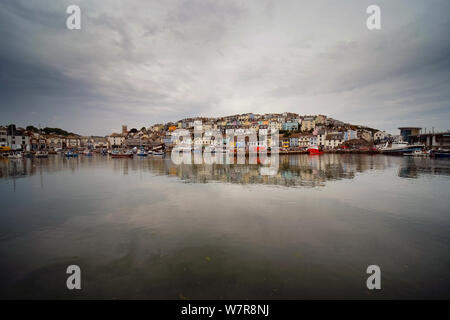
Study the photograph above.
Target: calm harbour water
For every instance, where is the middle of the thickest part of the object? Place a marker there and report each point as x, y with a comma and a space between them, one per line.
147, 228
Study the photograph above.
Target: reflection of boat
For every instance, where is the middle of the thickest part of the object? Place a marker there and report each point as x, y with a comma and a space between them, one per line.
16, 156
314, 150
440, 154
418, 153
41, 154
120, 154
401, 148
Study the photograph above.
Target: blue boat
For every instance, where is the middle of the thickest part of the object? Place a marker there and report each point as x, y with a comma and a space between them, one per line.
442, 154
142, 153
70, 154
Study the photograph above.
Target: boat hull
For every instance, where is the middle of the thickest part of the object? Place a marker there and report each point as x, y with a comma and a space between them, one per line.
442, 155
119, 156
314, 151
402, 151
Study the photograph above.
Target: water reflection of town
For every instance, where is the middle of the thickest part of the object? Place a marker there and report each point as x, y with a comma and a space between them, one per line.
293, 170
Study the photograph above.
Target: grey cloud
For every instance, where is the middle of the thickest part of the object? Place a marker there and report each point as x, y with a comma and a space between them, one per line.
141, 62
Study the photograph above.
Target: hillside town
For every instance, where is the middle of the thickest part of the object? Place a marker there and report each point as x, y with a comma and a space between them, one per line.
296, 134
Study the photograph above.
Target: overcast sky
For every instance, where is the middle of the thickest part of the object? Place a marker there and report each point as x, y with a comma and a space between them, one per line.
144, 62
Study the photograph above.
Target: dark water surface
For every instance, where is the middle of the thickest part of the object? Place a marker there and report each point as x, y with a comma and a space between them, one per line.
147, 228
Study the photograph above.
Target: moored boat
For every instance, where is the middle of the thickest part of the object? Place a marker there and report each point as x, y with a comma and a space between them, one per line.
440, 153
120, 154
41, 154
314, 150
142, 153
418, 153
71, 154
400, 148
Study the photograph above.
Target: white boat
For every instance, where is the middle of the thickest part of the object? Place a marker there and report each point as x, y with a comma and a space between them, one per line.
41, 154
158, 153
401, 148
418, 153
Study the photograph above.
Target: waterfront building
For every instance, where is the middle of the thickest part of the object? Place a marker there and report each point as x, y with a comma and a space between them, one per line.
333, 140
3, 137
17, 138
293, 140
432, 140
115, 140
321, 135
406, 132
53, 141
304, 140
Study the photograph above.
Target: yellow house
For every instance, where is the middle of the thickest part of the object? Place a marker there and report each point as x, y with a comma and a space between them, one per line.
308, 123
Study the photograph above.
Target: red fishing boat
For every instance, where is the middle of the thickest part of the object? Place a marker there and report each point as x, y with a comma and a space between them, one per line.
314, 150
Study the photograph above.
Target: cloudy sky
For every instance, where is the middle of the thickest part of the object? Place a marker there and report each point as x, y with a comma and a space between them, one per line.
144, 62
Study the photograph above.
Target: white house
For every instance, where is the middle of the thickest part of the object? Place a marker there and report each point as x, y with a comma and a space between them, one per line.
333, 140
115, 140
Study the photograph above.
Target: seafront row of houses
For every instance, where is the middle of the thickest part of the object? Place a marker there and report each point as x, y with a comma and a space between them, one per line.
295, 132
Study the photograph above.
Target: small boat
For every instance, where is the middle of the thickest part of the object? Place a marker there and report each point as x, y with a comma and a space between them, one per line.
70, 154
314, 150
120, 154
28, 155
41, 154
158, 153
440, 153
142, 153
418, 153
88, 153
